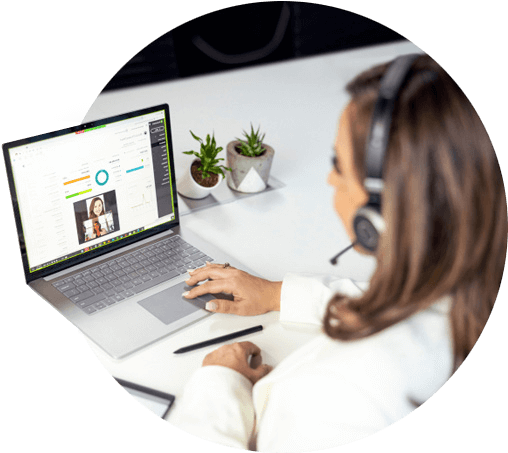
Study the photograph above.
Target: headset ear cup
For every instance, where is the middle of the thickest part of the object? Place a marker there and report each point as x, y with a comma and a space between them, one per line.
366, 233
368, 225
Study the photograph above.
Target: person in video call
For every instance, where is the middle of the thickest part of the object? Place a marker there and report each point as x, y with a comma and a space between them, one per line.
387, 348
97, 229
96, 210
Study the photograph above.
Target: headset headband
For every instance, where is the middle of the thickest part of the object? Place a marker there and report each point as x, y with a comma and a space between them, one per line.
377, 143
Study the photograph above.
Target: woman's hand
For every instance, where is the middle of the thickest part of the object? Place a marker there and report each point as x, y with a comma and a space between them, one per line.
252, 295
236, 356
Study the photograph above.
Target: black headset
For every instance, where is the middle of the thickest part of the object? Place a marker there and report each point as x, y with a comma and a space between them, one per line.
368, 223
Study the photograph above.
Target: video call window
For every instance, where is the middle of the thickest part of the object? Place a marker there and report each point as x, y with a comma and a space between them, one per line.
96, 216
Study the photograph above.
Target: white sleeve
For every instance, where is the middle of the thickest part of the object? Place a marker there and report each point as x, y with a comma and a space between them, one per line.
304, 297
217, 405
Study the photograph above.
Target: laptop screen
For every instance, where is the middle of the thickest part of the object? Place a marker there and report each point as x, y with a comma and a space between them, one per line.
91, 186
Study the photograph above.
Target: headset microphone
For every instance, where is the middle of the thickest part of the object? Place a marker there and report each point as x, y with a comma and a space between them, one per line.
335, 259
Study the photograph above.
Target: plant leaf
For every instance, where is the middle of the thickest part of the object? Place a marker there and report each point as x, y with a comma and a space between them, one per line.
207, 155
196, 137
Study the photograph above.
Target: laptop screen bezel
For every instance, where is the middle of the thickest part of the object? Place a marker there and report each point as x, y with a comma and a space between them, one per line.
107, 248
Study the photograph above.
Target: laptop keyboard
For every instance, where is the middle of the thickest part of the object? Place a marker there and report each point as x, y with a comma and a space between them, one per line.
109, 283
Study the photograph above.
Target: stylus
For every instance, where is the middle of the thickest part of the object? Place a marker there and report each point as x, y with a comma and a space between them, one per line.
221, 339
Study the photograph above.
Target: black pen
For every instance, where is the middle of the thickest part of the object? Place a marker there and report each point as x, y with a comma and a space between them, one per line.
221, 339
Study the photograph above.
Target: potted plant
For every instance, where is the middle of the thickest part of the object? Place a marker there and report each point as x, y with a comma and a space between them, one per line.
250, 161
204, 173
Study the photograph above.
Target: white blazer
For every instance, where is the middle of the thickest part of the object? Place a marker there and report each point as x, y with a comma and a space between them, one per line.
328, 392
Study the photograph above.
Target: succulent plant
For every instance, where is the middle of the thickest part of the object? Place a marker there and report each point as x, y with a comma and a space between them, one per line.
252, 145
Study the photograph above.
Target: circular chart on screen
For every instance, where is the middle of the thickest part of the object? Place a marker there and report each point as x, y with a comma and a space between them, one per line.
101, 177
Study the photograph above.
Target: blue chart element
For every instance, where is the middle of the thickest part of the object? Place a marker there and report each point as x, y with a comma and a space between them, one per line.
101, 180
134, 169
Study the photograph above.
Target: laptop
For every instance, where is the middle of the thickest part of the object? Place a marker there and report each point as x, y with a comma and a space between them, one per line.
96, 211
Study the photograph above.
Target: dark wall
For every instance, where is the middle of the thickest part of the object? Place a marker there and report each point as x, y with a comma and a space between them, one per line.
248, 35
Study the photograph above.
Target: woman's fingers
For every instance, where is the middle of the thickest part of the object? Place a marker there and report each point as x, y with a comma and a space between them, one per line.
236, 356
249, 348
209, 287
210, 271
255, 370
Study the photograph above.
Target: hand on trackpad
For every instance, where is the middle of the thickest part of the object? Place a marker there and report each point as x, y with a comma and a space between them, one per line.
169, 306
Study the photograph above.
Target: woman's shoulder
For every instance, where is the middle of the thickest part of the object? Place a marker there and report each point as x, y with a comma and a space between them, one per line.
413, 357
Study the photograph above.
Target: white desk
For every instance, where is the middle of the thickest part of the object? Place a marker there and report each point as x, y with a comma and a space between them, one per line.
294, 228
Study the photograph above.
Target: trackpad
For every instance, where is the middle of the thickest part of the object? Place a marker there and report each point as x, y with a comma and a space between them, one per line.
169, 305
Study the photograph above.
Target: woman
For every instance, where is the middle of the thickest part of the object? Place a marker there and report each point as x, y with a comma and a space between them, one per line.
387, 349
96, 210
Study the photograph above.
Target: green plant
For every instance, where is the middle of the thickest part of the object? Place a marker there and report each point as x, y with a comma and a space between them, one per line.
252, 145
208, 156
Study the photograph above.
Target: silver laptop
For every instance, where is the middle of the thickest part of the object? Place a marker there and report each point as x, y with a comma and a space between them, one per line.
96, 210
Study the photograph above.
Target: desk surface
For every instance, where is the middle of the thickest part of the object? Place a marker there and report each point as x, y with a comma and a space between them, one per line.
294, 228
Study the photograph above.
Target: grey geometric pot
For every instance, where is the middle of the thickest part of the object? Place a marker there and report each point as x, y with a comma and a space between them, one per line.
249, 174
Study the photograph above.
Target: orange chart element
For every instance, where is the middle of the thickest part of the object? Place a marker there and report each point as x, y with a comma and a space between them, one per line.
76, 180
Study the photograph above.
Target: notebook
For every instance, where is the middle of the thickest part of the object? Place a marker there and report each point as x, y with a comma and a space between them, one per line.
96, 211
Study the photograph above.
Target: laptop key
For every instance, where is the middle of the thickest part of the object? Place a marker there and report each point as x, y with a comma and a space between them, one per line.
89, 310
118, 297
154, 282
66, 287
99, 305
84, 295
71, 292
89, 300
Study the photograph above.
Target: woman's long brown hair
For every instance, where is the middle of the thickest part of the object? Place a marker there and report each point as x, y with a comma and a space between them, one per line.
91, 213
444, 205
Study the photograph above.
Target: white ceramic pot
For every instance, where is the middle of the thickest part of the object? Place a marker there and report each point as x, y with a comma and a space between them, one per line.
189, 188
